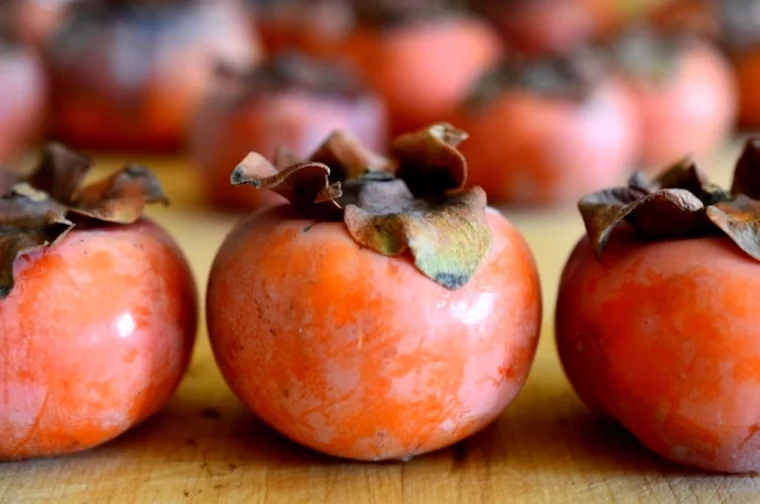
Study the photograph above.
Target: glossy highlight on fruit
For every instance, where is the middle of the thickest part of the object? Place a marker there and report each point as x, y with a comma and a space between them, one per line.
362, 337
98, 313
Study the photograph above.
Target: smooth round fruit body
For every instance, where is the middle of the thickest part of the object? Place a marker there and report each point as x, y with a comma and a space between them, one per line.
359, 355
689, 114
125, 80
96, 336
664, 338
398, 62
557, 148
223, 134
23, 97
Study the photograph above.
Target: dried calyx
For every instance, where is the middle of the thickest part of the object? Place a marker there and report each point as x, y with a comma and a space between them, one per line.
39, 209
290, 71
572, 76
681, 203
415, 200
648, 54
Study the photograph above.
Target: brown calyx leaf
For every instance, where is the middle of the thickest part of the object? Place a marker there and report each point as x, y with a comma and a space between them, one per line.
416, 202
649, 54
38, 210
681, 203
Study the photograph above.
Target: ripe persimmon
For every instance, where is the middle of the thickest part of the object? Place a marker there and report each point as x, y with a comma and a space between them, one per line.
97, 310
316, 27
421, 59
677, 83
130, 74
385, 311
740, 35
23, 95
656, 320
291, 101
540, 27
548, 131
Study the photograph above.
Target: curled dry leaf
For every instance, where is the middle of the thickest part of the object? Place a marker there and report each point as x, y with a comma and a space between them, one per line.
415, 202
681, 203
38, 210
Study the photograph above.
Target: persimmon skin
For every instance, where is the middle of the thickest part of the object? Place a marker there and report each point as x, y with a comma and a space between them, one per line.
398, 63
747, 67
222, 135
23, 98
96, 336
120, 90
664, 338
533, 149
359, 355
701, 99
539, 27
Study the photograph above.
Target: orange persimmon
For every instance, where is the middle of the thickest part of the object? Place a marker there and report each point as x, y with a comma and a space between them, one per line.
683, 91
540, 27
98, 309
290, 101
376, 316
548, 131
656, 320
316, 27
422, 63
23, 96
129, 75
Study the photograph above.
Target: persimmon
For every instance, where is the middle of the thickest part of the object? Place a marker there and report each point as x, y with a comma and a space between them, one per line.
548, 131
38, 19
678, 83
384, 311
130, 75
656, 323
290, 101
23, 94
540, 27
740, 23
396, 48
97, 308
316, 27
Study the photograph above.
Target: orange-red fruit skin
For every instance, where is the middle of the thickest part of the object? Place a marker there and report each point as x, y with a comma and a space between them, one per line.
691, 114
747, 67
423, 70
23, 92
529, 148
96, 336
359, 355
664, 337
223, 134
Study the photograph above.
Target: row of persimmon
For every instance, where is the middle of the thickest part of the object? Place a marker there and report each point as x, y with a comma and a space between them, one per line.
380, 309
138, 76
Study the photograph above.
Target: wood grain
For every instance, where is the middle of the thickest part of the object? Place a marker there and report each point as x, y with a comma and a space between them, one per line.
204, 447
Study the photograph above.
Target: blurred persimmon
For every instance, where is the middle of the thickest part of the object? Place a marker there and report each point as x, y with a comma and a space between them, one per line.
23, 93
421, 57
548, 130
290, 102
683, 90
129, 75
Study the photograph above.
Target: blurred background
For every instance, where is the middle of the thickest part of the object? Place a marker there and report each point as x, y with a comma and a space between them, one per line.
559, 97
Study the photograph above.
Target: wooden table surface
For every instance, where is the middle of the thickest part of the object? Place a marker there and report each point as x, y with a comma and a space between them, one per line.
204, 447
